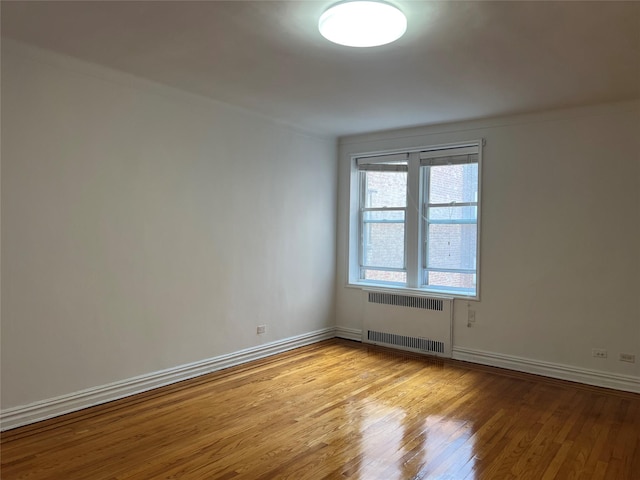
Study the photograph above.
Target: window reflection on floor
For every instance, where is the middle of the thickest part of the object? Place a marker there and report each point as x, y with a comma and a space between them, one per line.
393, 448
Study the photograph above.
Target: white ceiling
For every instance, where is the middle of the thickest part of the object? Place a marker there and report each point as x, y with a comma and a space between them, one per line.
458, 60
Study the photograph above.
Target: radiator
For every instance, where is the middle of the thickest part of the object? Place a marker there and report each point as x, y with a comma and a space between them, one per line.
417, 324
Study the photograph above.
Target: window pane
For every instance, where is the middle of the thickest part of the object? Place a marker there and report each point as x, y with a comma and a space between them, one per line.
383, 239
452, 246
453, 183
464, 281
385, 189
384, 276
453, 213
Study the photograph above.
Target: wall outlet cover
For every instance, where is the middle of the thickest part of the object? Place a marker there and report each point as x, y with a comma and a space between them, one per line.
628, 357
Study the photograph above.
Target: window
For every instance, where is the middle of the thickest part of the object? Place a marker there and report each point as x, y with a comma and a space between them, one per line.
415, 218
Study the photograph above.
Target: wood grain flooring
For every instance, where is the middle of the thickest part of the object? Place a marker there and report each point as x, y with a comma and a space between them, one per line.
342, 410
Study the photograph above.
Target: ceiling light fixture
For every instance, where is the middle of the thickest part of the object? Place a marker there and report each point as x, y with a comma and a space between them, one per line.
362, 23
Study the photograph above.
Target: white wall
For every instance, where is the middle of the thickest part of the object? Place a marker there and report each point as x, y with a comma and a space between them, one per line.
560, 240
145, 228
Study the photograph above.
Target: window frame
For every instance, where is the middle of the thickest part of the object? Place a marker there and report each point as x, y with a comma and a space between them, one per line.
415, 244
362, 210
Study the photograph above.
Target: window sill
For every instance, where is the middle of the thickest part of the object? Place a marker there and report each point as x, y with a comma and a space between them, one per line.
418, 292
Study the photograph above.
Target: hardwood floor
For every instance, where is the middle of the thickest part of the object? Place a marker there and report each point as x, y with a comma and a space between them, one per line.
339, 409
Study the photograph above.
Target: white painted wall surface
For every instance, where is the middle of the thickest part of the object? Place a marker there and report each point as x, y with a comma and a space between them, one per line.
560, 240
144, 228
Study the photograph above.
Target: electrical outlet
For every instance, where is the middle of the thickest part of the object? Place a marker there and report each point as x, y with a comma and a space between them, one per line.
261, 329
599, 353
628, 357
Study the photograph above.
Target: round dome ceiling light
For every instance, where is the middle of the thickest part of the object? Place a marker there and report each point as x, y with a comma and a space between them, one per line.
361, 23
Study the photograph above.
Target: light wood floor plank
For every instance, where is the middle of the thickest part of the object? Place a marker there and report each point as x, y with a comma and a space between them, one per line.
342, 410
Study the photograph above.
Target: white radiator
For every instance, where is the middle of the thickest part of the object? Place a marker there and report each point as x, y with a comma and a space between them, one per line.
418, 324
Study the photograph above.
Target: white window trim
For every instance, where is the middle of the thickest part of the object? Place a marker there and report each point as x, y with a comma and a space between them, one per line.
413, 252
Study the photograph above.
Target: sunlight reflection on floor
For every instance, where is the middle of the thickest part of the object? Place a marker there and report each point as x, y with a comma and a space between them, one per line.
392, 450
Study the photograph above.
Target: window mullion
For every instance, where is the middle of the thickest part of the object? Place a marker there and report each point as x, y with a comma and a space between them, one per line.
412, 226
424, 225
361, 227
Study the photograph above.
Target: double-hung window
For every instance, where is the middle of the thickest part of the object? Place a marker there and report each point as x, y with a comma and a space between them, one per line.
415, 219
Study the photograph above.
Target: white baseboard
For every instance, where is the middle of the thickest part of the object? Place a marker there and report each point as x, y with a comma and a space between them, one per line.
597, 378
53, 407
349, 333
